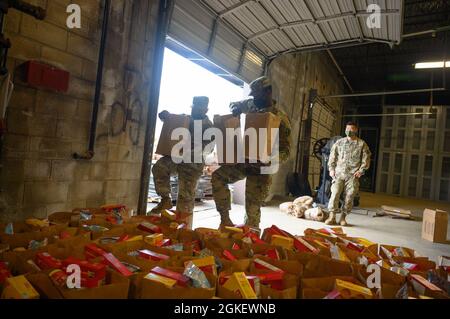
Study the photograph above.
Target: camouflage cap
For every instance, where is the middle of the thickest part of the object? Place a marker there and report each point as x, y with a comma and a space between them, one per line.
200, 101
259, 84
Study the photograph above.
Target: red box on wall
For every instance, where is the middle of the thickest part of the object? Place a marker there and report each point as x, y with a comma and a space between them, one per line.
45, 76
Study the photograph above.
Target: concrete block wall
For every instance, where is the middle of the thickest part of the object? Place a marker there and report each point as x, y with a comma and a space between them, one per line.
38, 174
293, 76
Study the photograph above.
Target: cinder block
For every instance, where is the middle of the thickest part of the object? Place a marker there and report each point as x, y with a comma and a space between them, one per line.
101, 153
116, 189
72, 130
45, 193
16, 142
90, 8
26, 123
13, 170
17, 122
37, 170
134, 188
63, 60
12, 192
98, 171
55, 104
95, 202
135, 55
43, 32
42, 144
56, 12
89, 70
35, 211
58, 207
113, 171
12, 22
86, 190
23, 98
81, 89
84, 110
70, 170
131, 171
23, 48
43, 125
63, 170
82, 47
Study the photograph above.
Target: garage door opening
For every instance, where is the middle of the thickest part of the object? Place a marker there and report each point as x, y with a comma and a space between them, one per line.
185, 75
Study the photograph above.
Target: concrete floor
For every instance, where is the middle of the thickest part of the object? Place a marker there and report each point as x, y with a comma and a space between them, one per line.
384, 230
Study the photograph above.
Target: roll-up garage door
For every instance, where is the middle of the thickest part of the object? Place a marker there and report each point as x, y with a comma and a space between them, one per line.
203, 31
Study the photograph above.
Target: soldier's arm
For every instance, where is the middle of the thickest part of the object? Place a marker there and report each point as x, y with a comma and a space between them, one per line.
365, 161
332, 161
285, 139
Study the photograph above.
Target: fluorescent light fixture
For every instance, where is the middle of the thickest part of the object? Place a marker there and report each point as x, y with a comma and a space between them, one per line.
432, 65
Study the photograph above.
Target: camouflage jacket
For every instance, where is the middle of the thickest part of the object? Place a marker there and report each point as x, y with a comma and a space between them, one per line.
348, 157
285, 126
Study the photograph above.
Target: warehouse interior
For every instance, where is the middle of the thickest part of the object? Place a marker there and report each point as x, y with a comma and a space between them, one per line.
82, 134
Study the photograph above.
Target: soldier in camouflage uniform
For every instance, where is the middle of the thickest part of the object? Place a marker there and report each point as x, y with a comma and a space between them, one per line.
257, 185
188, 173
349, 160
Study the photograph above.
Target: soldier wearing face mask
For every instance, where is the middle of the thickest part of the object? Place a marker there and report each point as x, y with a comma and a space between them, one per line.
349, 160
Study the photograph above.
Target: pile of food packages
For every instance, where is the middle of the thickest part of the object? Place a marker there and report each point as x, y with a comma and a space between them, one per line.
101, 253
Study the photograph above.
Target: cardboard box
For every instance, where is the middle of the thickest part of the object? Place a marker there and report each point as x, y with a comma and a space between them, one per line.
151, 255
113, 262
423, 286
223, 123
234, 230
351, 290
46, 261
169, 283
240, 284
261, 264
19, 288
434, 225
154, 239
264, 123
180, 279
172, 122
283, 241
207, 264
228, 255
169, 215
149, 227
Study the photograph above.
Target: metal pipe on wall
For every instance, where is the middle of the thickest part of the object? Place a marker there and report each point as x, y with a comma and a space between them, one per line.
98, 86
383, 93
164, 15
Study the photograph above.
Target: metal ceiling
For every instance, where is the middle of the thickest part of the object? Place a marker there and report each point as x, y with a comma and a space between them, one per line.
275, 27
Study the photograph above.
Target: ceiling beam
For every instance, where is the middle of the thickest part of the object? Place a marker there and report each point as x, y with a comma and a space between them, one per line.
316, 21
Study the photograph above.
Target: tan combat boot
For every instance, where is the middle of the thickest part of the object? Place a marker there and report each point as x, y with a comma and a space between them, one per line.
165, 203
331, 220
342, 220
225, 220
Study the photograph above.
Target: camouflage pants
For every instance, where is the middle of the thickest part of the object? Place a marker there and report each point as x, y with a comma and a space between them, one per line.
347, 184
188, 175
256, 190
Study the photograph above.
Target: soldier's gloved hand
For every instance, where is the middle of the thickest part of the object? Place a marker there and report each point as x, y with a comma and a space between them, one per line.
236, 109
163, 115
358, 174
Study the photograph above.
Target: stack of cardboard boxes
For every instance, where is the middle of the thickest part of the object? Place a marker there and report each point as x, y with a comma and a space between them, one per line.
159, 257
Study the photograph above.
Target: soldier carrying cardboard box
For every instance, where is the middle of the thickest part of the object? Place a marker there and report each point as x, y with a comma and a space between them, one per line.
188, 173
257, 185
